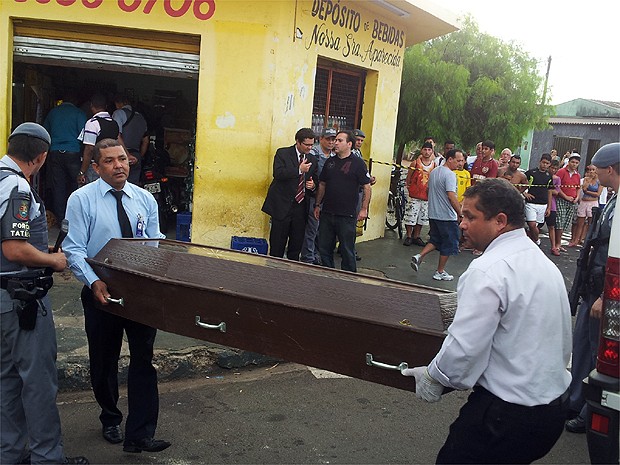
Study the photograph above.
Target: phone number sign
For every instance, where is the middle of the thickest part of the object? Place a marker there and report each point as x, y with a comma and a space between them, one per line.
200, 9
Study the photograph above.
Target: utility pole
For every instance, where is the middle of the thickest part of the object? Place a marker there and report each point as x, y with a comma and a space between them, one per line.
544, 97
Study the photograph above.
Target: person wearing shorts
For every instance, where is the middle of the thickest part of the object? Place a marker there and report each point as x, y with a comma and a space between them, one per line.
443, 212
567, 197
591, 190
538, 196
416, 209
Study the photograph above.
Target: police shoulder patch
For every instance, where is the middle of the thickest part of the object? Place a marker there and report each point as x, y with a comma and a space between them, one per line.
21, 209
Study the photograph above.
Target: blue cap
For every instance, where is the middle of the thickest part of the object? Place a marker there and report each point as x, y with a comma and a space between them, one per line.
607, 155
359, 133
32, 130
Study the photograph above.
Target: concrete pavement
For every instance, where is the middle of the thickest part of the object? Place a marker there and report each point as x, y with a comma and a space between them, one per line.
179, 357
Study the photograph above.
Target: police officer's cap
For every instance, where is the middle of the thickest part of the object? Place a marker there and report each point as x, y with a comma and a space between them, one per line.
32, 130
359, 133
607, 155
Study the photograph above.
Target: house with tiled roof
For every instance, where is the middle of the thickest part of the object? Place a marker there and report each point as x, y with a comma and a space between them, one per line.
580, 124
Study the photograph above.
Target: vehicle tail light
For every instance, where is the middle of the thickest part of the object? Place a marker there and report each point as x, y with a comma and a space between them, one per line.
609, 346
148, 175
164, 179
599, 423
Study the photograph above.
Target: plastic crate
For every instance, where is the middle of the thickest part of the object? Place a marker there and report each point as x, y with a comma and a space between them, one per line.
249, 244
184, 226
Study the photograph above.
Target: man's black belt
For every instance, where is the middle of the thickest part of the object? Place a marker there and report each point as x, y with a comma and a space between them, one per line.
560, 401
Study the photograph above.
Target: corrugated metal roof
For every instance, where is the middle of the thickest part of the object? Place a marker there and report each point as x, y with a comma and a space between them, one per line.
615, 105
586, 121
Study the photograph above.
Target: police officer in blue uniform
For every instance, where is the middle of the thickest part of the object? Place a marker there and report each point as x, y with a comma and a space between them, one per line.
29, 420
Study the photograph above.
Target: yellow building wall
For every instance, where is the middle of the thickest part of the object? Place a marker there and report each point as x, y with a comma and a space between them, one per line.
255, 89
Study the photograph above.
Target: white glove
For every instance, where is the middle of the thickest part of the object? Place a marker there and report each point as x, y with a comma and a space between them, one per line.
426, 387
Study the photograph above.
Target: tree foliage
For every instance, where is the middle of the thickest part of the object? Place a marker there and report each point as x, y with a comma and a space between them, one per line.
469, 86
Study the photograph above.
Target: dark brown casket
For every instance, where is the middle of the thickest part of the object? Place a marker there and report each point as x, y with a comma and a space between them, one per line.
365, 327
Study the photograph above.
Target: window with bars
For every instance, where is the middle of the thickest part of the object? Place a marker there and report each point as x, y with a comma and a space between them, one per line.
337, 99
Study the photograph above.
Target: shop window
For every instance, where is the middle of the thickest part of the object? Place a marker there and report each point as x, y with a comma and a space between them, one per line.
337, 98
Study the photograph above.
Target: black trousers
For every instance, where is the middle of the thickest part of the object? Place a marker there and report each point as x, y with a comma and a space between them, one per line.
105, 338
63, 170
490, 430
291, 230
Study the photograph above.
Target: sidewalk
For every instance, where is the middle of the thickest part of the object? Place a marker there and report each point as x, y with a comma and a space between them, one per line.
181, 357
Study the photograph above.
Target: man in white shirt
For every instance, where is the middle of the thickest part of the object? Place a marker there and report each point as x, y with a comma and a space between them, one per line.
510, 339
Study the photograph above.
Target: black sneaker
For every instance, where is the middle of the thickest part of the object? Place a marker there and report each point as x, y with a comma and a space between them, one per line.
418, 241
408, 241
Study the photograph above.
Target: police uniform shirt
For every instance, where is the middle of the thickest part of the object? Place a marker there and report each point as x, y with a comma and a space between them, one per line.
93, 220
510, 334
18, 207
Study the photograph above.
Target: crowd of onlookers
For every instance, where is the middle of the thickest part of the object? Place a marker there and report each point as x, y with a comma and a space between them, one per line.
555, 193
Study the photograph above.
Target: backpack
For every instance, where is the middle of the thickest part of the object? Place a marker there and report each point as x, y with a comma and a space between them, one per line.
109, 128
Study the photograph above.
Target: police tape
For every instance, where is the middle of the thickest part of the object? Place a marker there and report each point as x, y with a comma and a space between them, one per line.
413, 168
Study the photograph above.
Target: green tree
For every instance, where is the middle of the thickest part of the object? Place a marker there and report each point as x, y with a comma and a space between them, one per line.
469, 86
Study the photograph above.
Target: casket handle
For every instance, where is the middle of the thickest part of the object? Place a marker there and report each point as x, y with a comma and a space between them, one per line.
221, 326
400, 367
120, 301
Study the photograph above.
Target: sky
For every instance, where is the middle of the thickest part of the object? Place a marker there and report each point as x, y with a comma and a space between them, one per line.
582, 38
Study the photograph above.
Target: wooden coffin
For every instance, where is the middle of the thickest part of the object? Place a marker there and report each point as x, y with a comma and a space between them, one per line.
365, 327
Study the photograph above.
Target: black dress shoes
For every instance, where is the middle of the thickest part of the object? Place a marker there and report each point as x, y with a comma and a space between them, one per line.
146, 444
576, 425
113, 434
77, 460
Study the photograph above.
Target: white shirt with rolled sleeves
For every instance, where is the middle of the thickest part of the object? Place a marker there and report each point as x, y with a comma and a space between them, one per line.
511, 333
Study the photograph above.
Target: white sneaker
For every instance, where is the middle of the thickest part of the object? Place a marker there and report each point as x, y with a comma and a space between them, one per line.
415, 261
443, 276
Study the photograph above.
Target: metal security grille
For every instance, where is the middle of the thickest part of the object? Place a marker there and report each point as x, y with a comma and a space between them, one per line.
566, 144
337, 99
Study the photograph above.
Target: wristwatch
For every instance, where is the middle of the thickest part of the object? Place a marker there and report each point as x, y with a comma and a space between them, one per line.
81, 173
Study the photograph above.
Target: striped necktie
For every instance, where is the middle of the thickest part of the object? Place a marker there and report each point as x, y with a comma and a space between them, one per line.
299, 196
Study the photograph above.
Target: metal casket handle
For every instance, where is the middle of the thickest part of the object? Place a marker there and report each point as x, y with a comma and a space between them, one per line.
221, 326
400, 367
120, 301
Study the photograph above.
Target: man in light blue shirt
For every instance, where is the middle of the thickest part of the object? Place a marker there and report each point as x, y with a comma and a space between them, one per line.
94, 218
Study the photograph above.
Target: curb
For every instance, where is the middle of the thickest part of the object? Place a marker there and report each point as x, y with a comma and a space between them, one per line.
192, 362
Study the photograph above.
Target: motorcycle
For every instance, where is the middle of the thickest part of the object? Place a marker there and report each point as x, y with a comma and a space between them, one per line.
154, 181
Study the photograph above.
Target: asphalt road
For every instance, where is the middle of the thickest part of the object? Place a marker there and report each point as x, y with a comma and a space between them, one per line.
284, 414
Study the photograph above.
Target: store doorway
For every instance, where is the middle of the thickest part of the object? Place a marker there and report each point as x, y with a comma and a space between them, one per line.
51, 59
169, 105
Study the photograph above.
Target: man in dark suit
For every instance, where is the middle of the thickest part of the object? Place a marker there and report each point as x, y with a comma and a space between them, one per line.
294, 173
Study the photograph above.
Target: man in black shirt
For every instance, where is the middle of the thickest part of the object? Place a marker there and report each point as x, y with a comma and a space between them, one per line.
338, 192
538, 196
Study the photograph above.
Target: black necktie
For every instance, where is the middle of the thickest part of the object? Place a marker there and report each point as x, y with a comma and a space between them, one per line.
123, 219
